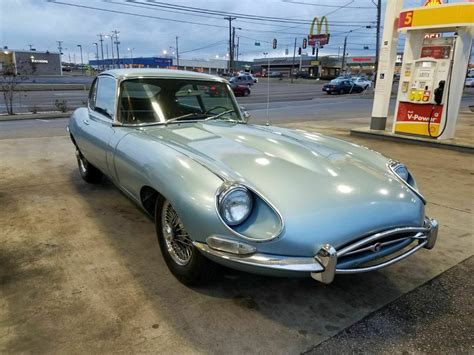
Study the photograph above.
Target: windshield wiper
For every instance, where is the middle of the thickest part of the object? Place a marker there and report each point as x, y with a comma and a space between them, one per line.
220, 115
185, 116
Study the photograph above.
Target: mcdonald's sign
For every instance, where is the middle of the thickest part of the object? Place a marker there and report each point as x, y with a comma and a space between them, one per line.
319, 38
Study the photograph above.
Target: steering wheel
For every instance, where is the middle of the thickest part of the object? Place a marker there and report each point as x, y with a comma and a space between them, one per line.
216, 107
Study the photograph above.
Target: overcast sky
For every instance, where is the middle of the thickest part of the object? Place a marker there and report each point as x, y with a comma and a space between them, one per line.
41, 23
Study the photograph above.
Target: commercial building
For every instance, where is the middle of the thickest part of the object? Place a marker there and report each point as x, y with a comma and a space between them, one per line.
210, 66
325, 67
30, 62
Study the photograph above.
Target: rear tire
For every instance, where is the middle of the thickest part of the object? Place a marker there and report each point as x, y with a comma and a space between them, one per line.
89, 172
183, 259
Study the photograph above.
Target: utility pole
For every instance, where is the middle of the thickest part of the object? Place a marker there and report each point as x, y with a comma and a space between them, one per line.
107, 55
82, 62
101, 40
115, 32
377, 45
238, 44
60, 49
344, 52
230, 19
112, 48
233, 49
177, 53
293, 64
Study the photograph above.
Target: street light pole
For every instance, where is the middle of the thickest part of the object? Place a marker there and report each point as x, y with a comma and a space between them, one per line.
60, 48
82, 62
97, 53
293, 63
101, 40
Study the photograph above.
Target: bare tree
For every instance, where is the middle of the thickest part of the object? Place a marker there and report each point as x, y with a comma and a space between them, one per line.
9, 80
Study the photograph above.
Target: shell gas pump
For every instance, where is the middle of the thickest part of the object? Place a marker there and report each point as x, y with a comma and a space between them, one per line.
424, 89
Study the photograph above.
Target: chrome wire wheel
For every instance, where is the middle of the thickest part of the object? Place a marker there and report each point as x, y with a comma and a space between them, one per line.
177, 241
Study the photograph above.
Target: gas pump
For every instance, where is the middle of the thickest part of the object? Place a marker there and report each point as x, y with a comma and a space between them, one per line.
424, 89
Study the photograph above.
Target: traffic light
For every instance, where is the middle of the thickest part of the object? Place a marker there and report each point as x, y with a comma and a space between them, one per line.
299, 50
274, 43
305, 43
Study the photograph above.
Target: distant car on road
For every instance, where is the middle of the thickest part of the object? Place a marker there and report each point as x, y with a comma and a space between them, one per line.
276, 74
242, 80
257, 75
302, 74
362, 82
342, 86
219, 90
469, 82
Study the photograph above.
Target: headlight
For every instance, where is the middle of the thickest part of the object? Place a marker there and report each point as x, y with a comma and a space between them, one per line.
235, 205
402, 172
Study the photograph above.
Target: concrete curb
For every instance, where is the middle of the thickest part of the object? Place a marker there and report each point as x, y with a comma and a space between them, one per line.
35, 116
384, 135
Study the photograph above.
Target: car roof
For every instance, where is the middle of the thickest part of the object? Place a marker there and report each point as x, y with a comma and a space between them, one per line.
160, 73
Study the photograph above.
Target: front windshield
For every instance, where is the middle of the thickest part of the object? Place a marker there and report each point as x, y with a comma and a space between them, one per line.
151, 100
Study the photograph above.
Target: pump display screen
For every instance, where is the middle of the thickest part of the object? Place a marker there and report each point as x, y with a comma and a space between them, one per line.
426, 64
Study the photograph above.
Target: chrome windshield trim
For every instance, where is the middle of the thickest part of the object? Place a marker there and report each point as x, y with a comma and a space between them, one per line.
392, 165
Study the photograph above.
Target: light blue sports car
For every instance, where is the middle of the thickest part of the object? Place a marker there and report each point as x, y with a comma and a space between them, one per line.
257, 198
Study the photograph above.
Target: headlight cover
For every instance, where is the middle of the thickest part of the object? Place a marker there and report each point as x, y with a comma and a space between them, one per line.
235, 204
401, 171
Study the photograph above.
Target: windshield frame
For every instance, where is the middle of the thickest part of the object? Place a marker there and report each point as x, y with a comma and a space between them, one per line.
117, 121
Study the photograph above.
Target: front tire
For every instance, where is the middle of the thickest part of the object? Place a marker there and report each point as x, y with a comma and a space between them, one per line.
246, 92
183, 259
89, 172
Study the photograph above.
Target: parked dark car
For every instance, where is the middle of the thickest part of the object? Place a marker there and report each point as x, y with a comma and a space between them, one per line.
344, 86
276, 74
217, 90
302, 74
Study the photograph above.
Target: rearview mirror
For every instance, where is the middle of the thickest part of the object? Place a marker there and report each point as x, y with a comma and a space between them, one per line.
245, 113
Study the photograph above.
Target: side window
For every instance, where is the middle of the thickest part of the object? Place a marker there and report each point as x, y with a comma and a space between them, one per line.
105, 96
93, 93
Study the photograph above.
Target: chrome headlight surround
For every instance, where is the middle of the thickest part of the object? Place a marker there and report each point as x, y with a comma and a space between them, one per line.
234, 204
403, 174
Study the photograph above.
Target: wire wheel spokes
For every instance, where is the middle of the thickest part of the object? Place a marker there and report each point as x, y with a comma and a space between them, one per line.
177, 240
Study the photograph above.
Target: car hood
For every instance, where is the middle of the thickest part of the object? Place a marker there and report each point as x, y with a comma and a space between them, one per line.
322, 186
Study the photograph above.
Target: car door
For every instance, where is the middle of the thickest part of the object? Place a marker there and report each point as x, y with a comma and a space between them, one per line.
98, 128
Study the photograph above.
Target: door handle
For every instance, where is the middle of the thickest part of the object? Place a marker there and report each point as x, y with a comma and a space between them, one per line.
86, 122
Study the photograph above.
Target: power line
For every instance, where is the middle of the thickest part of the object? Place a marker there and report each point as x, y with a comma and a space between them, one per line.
322, 5
135, 14
195, 10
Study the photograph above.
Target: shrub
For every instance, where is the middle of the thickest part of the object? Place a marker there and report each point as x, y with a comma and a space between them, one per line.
61, 105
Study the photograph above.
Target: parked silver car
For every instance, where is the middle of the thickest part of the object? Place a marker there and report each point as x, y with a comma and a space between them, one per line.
244, 79
257, 198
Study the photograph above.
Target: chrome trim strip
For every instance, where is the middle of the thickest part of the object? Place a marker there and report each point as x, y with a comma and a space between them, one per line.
419, 230
268, 261
384, 264
371, 247
392, 165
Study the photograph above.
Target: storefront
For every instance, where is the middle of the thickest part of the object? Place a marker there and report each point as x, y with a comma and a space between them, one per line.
30, 62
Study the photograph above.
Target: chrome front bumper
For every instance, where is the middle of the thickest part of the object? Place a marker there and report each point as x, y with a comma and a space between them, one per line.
323, 266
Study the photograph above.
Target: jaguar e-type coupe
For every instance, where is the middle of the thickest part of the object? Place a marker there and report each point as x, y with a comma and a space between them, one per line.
257, 198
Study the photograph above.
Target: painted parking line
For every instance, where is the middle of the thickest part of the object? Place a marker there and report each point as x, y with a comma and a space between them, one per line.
38, 119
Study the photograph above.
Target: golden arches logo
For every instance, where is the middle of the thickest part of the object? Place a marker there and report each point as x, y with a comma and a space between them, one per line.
322, 38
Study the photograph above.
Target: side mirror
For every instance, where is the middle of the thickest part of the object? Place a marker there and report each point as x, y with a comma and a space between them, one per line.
245, 113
